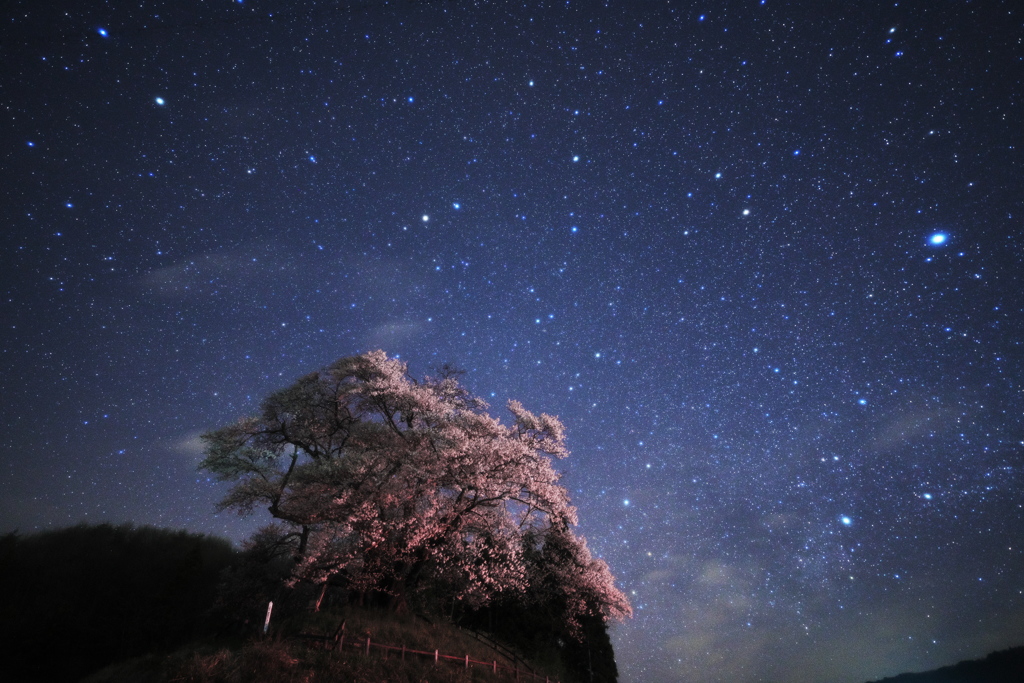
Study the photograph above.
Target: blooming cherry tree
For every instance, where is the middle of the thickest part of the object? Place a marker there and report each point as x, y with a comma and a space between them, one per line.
391, 481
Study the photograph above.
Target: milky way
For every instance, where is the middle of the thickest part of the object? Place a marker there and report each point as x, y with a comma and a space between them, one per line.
764, 260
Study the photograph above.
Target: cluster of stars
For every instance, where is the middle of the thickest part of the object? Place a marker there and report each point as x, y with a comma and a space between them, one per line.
763, 264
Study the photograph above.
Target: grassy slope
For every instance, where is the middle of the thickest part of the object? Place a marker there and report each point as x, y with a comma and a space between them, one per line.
281, 658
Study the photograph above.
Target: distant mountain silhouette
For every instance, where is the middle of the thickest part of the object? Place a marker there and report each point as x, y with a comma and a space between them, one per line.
1004, 666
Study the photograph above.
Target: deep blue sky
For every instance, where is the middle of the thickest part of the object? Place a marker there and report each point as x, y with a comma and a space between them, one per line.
700, 233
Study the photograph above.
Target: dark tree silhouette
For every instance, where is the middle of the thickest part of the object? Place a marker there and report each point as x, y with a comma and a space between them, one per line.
79, 598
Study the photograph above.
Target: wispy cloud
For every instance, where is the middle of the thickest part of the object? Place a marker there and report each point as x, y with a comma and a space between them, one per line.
190, 445
390, 335
215, 271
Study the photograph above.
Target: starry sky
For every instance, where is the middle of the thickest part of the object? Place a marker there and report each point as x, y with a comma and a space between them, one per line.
763, 258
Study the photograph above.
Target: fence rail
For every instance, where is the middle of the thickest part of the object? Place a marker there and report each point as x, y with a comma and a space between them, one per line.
495, 645
340, 640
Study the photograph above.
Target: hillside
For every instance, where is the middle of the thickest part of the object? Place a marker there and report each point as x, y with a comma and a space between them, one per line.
158, 605
286, 657
1004, 666
82, 597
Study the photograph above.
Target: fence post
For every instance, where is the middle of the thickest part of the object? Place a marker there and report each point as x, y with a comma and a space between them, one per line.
495, 666
266, 622
367, 646
435, 656
467, 661
339, 636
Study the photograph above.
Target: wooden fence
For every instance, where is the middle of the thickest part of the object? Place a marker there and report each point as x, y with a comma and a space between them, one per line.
340, 640
511, 655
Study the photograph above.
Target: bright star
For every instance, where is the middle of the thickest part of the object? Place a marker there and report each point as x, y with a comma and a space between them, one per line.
938, 239
846, 521
102, 32
456, 206
159, 100
426, 218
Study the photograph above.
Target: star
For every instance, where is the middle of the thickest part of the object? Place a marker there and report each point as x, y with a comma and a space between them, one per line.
878, 271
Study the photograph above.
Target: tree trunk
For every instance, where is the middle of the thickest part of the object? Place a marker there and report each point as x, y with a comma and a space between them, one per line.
407, 575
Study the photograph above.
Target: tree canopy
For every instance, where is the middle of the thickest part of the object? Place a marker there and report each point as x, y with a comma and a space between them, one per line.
396, 484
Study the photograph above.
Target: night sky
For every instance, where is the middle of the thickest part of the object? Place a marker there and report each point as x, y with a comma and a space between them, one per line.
764, 259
